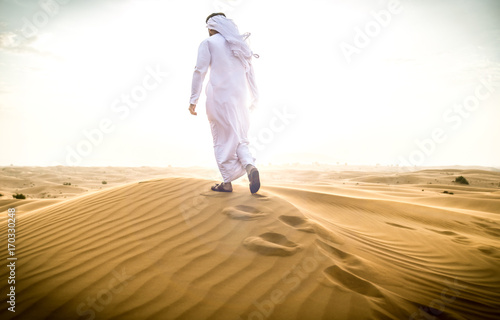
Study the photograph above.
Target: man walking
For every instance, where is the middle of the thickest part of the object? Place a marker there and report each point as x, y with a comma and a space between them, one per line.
229, 58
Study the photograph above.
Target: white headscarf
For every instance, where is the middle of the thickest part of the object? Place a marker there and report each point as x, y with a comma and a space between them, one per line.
228, 29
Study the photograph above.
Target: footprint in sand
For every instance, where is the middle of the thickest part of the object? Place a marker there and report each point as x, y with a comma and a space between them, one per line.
461, 240
260, 197
271, 244
457, 238
337, 253
489, 251
399, 226
242, 212
488, 229
298, 223
444, 232
339, 276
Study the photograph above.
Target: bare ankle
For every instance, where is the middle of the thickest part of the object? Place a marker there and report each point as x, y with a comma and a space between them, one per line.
249, 167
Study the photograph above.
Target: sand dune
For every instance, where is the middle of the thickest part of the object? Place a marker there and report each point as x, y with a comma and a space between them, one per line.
169, 248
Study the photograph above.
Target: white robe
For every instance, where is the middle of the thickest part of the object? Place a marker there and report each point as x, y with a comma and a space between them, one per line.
226, 105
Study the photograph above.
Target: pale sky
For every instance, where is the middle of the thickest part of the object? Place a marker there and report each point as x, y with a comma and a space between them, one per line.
107, 83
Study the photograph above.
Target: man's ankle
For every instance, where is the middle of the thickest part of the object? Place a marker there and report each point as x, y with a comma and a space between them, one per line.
249, 167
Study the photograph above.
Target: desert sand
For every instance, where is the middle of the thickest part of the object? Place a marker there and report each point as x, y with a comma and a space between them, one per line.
316, 242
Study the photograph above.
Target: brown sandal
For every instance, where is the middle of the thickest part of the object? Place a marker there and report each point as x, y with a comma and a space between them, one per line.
219, 187
254, 179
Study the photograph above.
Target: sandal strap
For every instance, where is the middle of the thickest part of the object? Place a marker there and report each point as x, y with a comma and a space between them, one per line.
219, 187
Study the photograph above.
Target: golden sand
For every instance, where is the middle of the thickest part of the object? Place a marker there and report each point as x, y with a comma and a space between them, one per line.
311, 244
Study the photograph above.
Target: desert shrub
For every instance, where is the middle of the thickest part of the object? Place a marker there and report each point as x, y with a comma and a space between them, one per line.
66, 183
447, 192
104, 182
18, 196
1, 195
461, 180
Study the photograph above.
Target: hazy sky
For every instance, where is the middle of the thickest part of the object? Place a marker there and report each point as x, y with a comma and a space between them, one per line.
87, 82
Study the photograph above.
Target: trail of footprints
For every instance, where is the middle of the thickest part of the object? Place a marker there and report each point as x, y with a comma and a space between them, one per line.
269, 243
489, 227
336, 275
276, 244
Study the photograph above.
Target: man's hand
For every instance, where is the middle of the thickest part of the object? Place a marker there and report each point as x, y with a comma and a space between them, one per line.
192, 108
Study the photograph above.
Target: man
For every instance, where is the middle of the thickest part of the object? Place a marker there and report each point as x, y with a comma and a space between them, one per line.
229, 58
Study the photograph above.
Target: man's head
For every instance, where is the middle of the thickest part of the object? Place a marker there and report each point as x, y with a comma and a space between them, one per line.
214, 14
211, 32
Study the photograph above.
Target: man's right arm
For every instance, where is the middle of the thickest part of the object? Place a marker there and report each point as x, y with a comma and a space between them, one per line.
201, 69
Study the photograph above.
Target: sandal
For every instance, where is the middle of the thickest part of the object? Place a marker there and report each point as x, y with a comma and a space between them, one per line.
253, 177
219, 187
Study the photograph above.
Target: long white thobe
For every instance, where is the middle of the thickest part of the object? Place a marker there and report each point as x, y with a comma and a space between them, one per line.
226, 105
